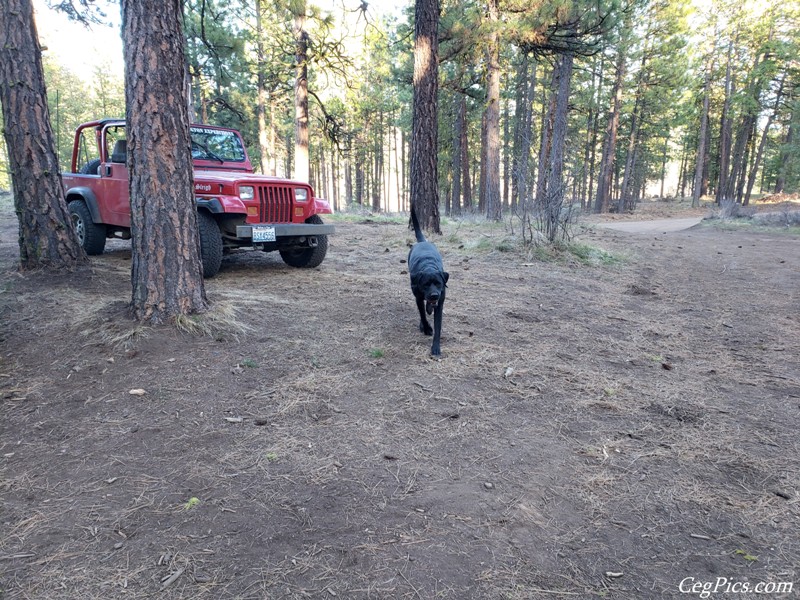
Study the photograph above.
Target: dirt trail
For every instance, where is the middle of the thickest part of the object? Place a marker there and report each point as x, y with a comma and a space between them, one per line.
592, 431
654, 226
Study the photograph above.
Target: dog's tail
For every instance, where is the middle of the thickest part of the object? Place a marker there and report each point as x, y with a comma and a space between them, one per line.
417, 229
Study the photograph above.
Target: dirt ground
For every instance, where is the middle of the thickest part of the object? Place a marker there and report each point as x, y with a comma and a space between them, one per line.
597, 427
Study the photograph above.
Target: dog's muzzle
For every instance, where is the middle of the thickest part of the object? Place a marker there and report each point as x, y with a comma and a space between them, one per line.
430, 305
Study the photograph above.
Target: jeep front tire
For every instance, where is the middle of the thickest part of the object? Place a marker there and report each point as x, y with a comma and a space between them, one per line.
91, 236
307, 258
210, 244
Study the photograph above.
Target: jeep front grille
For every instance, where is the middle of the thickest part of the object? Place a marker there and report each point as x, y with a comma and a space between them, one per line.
275, 204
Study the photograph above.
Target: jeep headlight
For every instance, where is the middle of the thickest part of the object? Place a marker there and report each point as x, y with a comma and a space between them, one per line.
246, 192
300, 194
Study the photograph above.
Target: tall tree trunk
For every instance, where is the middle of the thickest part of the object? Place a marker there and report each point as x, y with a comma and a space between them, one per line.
424, 147
506, 160
461, 113
594, 127
360, 178
625, 201
682, 171
520, 97
483, 164
301, 160
741, 175
377, 187
466, 203
261, 84
725, 131
760, 152
523, 134
586, 186
786, 154
701, 139
46, 234
398, 168
550, 184
167, 273
348, 181
405, 169
664, 167
491, 191
606, 171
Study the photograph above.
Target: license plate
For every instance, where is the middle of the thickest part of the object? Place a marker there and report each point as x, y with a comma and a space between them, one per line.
263, 233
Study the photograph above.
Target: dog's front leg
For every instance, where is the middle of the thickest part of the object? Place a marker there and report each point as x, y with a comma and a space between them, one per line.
424, 326
437, 327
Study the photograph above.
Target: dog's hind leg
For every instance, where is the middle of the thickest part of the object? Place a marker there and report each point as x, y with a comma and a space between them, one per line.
424, 326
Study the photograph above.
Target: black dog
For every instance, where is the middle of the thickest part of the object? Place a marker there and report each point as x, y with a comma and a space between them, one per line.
428, 283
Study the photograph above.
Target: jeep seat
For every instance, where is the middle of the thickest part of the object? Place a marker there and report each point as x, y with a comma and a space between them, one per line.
120, 153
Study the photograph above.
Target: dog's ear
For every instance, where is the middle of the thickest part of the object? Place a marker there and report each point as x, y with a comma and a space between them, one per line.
446, 276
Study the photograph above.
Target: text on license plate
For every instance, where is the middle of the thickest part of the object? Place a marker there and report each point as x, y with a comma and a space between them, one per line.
262, 233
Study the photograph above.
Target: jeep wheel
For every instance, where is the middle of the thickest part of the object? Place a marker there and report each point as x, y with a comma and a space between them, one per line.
307, 258
210, 244
90, 235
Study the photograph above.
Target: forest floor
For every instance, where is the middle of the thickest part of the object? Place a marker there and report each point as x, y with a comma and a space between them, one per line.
618, 421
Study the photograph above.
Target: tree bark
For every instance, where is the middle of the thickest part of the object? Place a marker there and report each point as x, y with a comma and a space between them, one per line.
261, 84
701, 141
167, 273
424, 146
522, 106
725, 132
606, 171
550, 184
491, 191
46, 236
301, 160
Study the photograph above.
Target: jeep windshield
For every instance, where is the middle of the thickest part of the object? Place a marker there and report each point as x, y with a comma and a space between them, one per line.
216, 145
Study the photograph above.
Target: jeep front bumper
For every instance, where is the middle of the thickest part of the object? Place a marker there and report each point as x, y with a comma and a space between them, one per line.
286, 230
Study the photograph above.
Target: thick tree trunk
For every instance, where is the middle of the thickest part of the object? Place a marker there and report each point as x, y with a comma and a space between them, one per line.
594, 127
506, 159
585, 190
550, 184
625, 202
46, 235
725, 132
491, 191
424, 146
167, 273
520, 97
301, 161
261, 84
606, 172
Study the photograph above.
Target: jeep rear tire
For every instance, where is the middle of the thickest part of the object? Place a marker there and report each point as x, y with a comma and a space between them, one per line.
210, 244
307, 258
91, 236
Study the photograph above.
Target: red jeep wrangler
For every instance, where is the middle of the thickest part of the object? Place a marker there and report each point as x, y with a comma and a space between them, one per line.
235, 207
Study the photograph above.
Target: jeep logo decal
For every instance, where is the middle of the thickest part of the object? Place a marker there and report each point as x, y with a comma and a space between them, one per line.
202, 187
